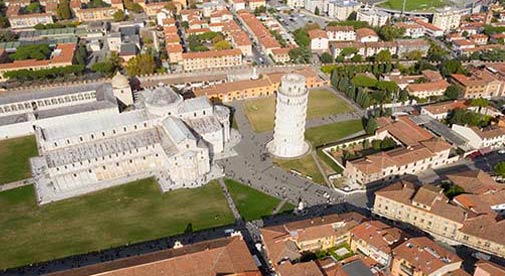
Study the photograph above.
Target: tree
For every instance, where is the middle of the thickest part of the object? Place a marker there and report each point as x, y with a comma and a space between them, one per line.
479, 102
383, 56
436, 52
348, 51
222, 45
142, 64
171, 7
451, 66
63, 11
316, 11
371, 126
185, 25
499, 168
326, 58
300, 55
388, 86
452, 92
119, 16
259, 10
389, 32
363, 81
357, 58
414, 55
33, 7
131, 6
352, 16
109, 66
81, 54
453, 190
388, 143
302, 37
35, 51
8, 36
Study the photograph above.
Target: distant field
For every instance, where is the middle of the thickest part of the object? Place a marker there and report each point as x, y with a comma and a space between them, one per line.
130, 213
322, 103
415, 5
14, 158
251, 203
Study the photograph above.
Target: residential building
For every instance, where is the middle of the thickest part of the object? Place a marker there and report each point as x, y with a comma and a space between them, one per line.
374, 17
461, 45
280, 55
341, 9
492, 137
468, 219
223, 256
447, 18
62, 55
479, 39
340, 33
174, 53
366, 35
412, 29
238, 4
423, 257
440, 111
211, 59
318, 40
95, 14
408, 45
241, 41
417, 150
376, 240
266, 85
254, 4
485, 268
19, 21
285, 243
295, 3
482, 83
430, 29
428, 89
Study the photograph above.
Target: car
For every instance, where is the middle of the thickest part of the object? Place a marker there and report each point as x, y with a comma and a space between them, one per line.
502, 151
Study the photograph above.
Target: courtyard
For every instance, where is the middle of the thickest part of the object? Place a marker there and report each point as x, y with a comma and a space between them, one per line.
251, 203
126, 214
322, 103
15, 154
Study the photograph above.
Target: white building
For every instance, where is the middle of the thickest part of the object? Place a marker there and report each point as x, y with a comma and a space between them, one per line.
478, 138
341, 9
318, 40
296, 3
447, 18
412, 29
373, 17
290, 114
238, 5
173, 139
311, 5
340, 33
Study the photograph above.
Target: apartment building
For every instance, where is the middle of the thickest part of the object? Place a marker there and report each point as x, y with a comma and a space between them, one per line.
262, 35
376, 240
423, 257
447, 18
417, 150
366, 35
428, 89
374, 17
285, 243
472, 219
211, 59
430, 29
482, 83
318, 40
492, 137
281, 55
485, 268
19, 21
62, 55
412, 29
340, 33
440, 111
174, 53
254, 4
95, 14
265, 85
223, 256
341, 9
241, 41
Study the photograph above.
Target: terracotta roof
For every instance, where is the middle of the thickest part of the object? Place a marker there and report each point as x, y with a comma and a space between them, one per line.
444, 107
463, 42
429, 26
425, 255
259, 30
489, 132
174, 48
212, 54
299, 269
428, 86
362, 32
240, 38
316, 33
408, 25
431, 75
404, 129
485, 227
281, 51
339, 29
427, 194
378, 234
491, 268
208, 258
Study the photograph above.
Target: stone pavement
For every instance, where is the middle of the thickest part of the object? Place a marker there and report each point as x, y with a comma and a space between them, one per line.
16, 184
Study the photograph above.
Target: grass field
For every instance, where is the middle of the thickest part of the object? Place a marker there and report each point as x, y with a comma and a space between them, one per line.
414, 5
251, 203
14, 155
305, 165
130, 213
322, 103
332, 132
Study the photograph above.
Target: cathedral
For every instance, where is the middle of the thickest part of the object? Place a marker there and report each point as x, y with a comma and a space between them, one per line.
164, 136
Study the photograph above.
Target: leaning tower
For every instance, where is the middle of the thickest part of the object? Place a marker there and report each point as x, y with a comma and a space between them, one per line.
290, 114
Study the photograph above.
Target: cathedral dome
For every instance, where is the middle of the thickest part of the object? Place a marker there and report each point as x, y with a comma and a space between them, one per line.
120, 81
162, 96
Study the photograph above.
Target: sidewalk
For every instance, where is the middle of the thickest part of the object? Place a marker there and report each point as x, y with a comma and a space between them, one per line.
16, 184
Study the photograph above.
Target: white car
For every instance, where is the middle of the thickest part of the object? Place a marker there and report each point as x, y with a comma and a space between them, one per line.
502, 151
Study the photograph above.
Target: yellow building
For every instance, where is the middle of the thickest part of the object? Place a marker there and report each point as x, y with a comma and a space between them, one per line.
211, 59
96, 14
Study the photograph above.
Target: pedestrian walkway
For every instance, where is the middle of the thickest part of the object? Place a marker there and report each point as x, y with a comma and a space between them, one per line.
231, 203
320, 168
279, 206
16, 184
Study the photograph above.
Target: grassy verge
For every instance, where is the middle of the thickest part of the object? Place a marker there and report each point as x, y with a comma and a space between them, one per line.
330, 133
305, 165
14, 155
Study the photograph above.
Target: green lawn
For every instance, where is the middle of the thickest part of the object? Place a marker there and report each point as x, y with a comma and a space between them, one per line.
325, 134
322, 103
14, 156
305, 165
414, 5
130, 213
251, 203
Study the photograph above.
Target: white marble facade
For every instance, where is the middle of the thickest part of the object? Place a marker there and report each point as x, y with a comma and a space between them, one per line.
165, 136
